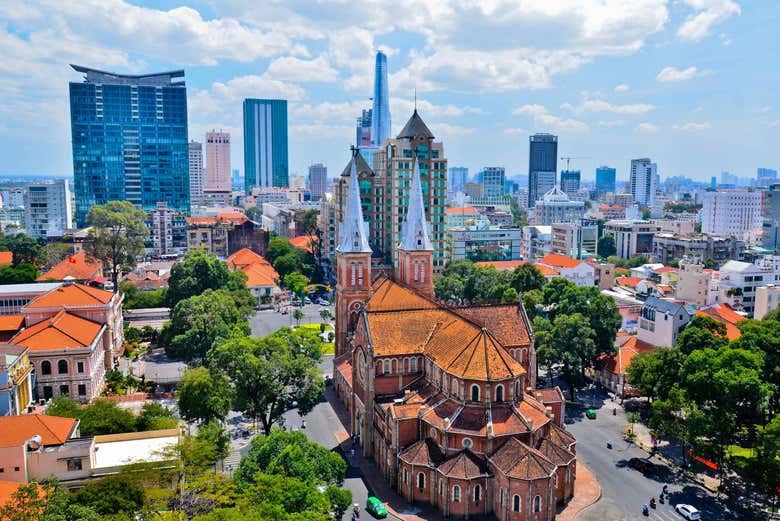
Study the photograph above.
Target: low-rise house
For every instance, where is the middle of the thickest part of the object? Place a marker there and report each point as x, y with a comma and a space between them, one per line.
738, 283
727, 316
767, 299
666, 275
76, 267
262, 278
579, 272
604, 273
610, 370
225, 234
645, 271
16, 390
660, 321
507, 265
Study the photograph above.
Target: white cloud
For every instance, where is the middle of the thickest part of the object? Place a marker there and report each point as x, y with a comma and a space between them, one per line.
517, 131
673, 74
403, 108
327, 112
323, 130
709, 13
597, 105
646, 128
445, 131
622, 88
543, 120
693, 126
611, 123
294, 69
765, 109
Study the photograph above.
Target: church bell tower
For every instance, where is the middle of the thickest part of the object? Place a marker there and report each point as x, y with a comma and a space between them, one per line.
415, 251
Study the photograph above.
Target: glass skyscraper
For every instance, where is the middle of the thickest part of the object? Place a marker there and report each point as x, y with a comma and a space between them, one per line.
129, 135
570, 182
605, 180
265, 143
380, 117
542, 166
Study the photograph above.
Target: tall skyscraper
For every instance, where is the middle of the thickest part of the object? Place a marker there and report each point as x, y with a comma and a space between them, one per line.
129, 135
605, 180
766, 176
542, 166
570, 182
236, 180
363, 130
265, 143
493, 179
770, 238
197, 173
458, 176
217, 160
318, 180
644, 176
380, 117
47, 209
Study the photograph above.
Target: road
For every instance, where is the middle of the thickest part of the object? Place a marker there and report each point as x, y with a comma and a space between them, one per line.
625, 490
267, 321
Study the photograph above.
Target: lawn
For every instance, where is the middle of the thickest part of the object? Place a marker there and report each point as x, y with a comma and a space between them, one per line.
328, 348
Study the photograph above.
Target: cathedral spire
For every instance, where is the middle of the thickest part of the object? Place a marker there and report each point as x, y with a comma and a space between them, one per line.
353, 230
415, 234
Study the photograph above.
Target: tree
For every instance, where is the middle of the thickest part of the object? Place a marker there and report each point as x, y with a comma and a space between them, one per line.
204, 396
254, 213
296, 283
654, 373
112, 495
26, 250
762, 470
340, 499
702, 332
270, 374
606, 246
117, 236
155, 416
18, 273
196, 272
105, 417
325, 315
527, 277
27, 503
64, 407
763, 336
569, 341
56, 252
140, 299
298, 316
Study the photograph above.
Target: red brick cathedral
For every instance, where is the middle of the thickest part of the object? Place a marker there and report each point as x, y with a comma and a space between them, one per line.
443, 398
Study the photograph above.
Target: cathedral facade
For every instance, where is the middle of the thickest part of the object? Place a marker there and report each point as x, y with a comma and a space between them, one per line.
443, 398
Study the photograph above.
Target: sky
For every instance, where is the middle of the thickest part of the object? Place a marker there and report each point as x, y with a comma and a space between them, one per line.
692, 84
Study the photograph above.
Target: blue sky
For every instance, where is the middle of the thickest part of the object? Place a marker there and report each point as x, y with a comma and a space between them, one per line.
692, 84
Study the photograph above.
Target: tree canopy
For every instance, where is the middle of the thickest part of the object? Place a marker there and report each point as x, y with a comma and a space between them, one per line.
204, 396
464, 283
606, 246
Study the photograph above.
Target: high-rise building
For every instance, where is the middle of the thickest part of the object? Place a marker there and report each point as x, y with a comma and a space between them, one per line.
605, 180
556, 207
167, 231
570, 182
363, 130
458, 176
731, 212
47, 209
265, 143
317, 181
236, 180
542, 166
765, 176
643, 181
197, 173
217, 160
380, 113
770, 238
129, 135
493, 180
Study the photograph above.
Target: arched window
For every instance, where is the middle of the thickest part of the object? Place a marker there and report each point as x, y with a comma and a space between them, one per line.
455, 387
413, 365
499, 393
537, 503
421, 481
351, 273
45, 367
515, 503
62, 367
474, 393
477, 493
456, 494
386, 366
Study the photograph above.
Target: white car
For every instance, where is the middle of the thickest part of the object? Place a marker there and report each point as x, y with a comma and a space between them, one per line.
688, 512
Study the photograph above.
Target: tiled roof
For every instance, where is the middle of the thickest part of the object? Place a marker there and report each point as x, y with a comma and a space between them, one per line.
201, 220
483, 358
53, 430
245, 257
467, 209
665, 269
561, 436
414, 127
6, 257
509, 420
724, 314
555, 453
76, 266
463, 465
304, 242
501, 265
436, 416
389, 296
8, 488
518, 460
559, 261
549, 395
504, 321
63, 330
234, 217
258, 275
360, 166
629, 282
628, 348
664, 305
344, 366
11, 322
72, 295
423, 452
547, 271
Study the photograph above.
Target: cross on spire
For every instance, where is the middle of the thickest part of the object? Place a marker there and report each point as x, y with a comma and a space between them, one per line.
353, 230
415, 233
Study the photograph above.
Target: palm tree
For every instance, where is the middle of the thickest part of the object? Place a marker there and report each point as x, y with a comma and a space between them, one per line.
297, 315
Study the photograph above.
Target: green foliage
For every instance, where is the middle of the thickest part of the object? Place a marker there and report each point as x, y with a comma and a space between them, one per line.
254, 213
105, 417
527, 277
26, 250
296, 283
56, 252
463, 283
64, 407
287, 259
569, 341
709, 263
18, 274
111, 495
702, 332
340, 498
654, 373
679, 207
116, 237
155, 416
204, 396
633, 262
606, 246
140, 299
196, 272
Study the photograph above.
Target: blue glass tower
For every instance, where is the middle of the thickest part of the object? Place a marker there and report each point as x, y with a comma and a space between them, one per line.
129, 140
265, 143
380, 117
542, 166
605, 180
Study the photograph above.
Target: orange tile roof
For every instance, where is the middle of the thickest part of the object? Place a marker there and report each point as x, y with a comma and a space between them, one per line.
501, 265
260, 275
11, 322
665, 269
555, 452
724, 314
234, 217
505, 321
62, 331
8, 488
245, 257
559, 261
53, 430
549, 395
72, 295
518, 460
561, 436
546, 270
6, 257
464, 465
628, 348
390, 296
619, 270
424, 452
201, 220
629, 282
467, 209
76, 266
304, 242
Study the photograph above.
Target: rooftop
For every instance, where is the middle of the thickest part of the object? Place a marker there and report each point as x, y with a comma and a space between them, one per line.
31, 288
467, 209
414, 127
62, 331
53, 430
158, 78
501, 265
72, 295
117, 450
76, 266
559, 261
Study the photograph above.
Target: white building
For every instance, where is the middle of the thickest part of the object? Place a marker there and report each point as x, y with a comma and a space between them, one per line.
579, 272
318, 179
556, 207
218, 160
767, 299
464, 217
537, 241
643, 181
576, 240
660, 321
632, 237
738, 283
694, 284
197, 173
731, 212
47, 209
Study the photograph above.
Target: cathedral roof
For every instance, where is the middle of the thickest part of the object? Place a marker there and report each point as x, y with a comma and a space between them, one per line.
388, 296
415, 233
464, 465
414, 127
505, 321
353, 230
555, 453
423, 452
360, 165
518, 460
561, 436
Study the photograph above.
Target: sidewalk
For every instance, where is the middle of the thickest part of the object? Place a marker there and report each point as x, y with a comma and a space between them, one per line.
586, 492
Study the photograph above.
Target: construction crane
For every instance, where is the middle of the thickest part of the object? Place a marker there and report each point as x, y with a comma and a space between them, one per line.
569, 158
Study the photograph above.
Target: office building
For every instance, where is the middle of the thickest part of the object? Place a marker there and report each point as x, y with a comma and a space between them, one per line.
363, 130
47, 209
236, 180
380, 112
731, 212
570, 182
632, 237
605, 180
493, 180
578, 240
542, 166
479, 244
317, 180
197, 172
458, 177
556, 207
770, 219
766, 176
643, 181
670, 246
129, 135
218, 160
167, 231
265, 144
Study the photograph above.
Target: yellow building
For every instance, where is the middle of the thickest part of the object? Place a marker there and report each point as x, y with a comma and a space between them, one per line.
15, 380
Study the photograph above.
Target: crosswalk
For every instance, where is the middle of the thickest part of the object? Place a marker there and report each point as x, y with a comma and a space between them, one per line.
230, 464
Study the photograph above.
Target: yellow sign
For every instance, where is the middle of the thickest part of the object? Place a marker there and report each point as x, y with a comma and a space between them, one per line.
20, 369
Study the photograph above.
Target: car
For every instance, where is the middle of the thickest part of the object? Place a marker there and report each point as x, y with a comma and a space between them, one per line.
591, 414
376, 508
643, 465
323, 302
688, 512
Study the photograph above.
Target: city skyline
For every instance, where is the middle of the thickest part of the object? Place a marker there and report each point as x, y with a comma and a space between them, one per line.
660, 79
